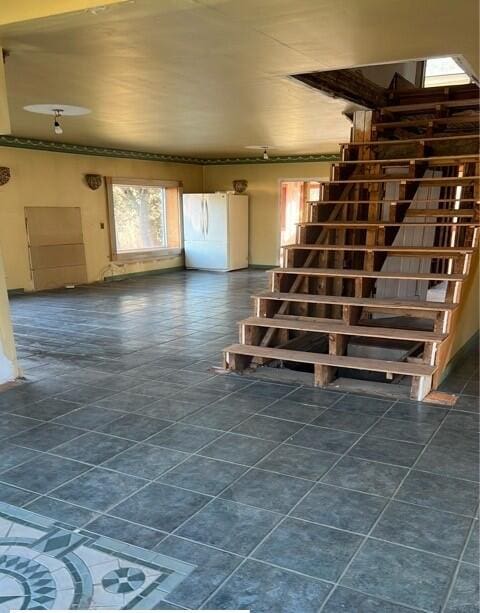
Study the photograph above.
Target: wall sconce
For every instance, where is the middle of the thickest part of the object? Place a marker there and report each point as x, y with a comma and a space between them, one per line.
93, 181
4, 175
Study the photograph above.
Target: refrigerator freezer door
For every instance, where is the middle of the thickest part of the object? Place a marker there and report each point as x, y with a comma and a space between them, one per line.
211, 255
194, 217
216, 217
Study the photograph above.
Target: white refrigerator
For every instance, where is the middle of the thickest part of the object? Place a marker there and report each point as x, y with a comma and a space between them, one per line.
215, 231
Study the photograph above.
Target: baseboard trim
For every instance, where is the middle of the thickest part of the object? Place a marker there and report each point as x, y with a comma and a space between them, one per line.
262, 266
15, 291
142, 273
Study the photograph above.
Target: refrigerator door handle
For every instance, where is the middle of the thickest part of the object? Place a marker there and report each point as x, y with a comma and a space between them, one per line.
203, 217
206, 216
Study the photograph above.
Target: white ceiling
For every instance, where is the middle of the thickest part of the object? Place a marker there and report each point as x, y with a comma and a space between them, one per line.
208, 77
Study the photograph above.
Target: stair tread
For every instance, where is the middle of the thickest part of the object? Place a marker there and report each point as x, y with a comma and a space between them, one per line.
427, 121
306, 357
421, 106
345, 272
405, 179
419, 139
351, 300
336, 328
440, 213
406, 161
386, 248
396, 201
386, 224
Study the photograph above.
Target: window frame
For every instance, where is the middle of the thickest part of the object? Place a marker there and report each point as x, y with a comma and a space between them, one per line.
142, 255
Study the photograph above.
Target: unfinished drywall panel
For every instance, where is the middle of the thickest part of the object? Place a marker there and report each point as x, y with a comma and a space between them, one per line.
56, 248
47, 179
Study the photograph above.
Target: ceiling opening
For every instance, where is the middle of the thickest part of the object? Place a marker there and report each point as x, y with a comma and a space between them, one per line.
441, 71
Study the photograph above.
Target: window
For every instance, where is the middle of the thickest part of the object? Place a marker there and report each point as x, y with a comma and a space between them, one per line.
443, 71
144, 218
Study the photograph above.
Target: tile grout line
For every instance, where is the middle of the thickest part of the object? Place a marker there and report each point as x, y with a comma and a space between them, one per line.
106, 511
376, 522
260, 543
453, 579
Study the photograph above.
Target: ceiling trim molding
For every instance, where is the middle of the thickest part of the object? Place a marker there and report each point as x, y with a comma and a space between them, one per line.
273, 159
44, 145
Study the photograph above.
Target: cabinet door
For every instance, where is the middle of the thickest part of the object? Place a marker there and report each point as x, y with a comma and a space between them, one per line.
194, 217
216, 217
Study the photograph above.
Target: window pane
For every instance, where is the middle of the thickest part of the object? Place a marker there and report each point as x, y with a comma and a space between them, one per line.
140, 218
443, 71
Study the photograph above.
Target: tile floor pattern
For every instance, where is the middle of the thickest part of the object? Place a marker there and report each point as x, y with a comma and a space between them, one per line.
280, 498
46, 565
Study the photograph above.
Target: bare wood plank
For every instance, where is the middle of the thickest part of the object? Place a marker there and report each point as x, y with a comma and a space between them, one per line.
306, 357
330, 327
429, 181
425, 106
391, 303
433, 251
387, 224
353, 274
440, 213
440, 160
433, 121
419, 139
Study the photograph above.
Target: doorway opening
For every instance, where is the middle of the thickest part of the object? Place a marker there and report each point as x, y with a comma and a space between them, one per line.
294, 196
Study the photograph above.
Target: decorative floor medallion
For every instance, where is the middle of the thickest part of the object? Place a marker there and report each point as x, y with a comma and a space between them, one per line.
46, 565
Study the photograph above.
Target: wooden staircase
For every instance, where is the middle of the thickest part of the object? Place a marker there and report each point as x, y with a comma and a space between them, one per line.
395, 228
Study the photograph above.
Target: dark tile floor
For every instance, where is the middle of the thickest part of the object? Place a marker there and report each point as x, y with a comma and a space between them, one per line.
281, 498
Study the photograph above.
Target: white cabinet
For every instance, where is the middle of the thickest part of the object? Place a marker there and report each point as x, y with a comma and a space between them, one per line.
215, 231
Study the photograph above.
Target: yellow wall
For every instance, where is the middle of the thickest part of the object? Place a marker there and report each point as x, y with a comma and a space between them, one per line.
41, 178
469, 309
8, 359
263, 190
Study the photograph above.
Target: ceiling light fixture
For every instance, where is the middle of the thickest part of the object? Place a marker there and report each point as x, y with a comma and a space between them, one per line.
263, 148
58, 111
57, 128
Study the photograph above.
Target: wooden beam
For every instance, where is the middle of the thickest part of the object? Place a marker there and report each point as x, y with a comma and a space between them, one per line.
349, 84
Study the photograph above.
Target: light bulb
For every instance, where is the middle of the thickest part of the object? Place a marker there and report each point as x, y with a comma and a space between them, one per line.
265, 154
57, 128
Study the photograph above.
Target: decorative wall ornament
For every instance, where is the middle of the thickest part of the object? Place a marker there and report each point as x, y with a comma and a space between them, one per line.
93, 181
240, 185
4, 175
